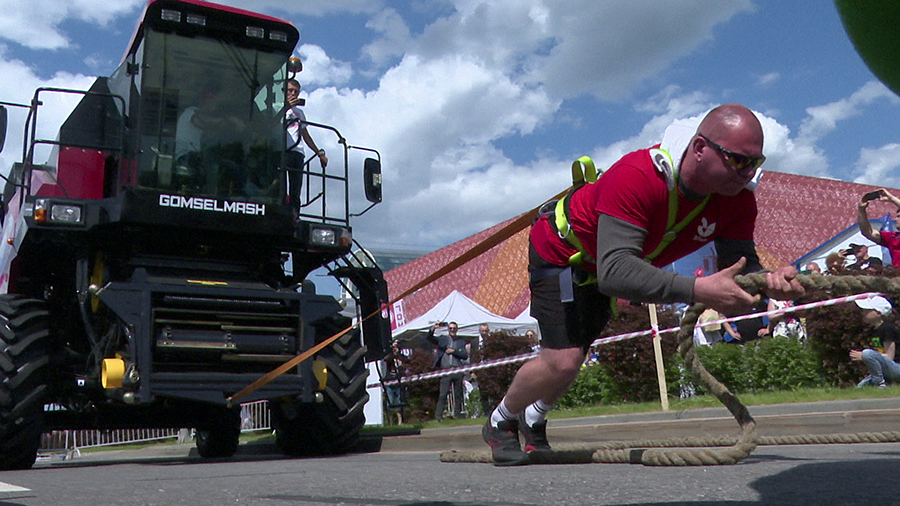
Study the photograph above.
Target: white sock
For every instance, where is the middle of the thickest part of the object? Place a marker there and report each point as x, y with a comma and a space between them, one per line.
536, 412
501, 413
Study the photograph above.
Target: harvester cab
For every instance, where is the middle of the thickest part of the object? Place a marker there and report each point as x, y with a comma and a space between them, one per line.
154, 264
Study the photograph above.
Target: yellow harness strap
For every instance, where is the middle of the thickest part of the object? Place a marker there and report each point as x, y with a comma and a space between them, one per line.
583, 171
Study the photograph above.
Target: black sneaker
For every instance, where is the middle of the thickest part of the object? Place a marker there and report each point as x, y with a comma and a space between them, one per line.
535, 436
504, 443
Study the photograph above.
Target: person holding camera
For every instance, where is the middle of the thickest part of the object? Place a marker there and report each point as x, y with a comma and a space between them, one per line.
450, 351
890, 240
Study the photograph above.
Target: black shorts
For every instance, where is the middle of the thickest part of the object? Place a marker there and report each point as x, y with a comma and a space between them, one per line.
573, 324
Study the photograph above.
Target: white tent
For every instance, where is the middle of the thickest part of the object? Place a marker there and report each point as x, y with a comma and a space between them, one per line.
468, 314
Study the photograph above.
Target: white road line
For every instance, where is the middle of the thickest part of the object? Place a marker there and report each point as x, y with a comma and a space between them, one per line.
6, 487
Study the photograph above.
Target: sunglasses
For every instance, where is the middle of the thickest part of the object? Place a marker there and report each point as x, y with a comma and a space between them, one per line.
735, 160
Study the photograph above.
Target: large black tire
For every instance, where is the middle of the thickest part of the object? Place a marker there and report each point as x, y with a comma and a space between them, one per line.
221, 437
24, 376
331, 427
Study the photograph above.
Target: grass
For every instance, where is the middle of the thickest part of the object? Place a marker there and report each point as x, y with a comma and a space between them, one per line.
698, 402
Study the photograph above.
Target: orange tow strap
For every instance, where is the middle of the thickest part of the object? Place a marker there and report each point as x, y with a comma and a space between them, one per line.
501, 235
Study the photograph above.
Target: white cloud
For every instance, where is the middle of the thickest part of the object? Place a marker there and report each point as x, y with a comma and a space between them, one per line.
823, 119
576, 47
879, 167
307, 8
35, 23
767, 79
18, 86
394, 40
462, 83
436, 134
319, 69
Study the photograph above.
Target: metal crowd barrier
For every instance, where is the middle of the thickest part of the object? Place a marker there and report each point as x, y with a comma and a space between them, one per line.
68, 443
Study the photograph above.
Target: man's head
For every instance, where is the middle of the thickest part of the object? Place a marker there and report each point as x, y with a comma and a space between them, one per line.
484, 330
834, 261
452, 328
293, 87
725, 152
874, 309
813, 268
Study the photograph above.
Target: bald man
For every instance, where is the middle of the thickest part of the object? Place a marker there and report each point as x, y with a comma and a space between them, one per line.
620, 221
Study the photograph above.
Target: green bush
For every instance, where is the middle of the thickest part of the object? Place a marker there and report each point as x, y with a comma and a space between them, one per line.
775, 363
494, 381
594, 385
632, 363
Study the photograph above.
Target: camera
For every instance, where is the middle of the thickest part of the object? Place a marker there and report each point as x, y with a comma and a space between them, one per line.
871, 195
442, 324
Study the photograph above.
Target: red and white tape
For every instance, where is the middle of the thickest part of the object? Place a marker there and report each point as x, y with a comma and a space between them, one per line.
621, 337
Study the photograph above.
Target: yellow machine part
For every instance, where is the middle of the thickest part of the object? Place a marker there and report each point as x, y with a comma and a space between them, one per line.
321, 372
97, 279
113, 371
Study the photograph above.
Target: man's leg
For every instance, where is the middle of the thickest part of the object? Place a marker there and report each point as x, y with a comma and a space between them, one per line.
459, 396
891, 371
294, 161
875, 362
570, 317
442, 398
545, 378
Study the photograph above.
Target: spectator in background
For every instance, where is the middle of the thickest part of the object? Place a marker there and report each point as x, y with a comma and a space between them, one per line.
296, 135
532, 338
890, 240
395, 368
835, 263
450, 351
787, 324
704, 333
731, 334
813, 268
881, 359
863, 261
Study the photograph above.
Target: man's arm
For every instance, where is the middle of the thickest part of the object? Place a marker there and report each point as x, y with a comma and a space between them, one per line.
323, 159
430, 337
890, 349
865, 227
621, 272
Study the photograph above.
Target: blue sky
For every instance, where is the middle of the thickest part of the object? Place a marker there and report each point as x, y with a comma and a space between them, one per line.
479, 107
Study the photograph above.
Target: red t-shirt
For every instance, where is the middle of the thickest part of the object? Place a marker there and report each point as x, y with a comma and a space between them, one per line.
634, 191
891, 240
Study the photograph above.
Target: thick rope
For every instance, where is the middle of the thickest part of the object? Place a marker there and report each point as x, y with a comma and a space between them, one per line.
640, 452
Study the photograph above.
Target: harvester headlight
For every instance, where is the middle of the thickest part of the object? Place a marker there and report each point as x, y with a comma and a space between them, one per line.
324, 237
170, 15
196, 19
65, 213
279, 36
331, 236
255, 31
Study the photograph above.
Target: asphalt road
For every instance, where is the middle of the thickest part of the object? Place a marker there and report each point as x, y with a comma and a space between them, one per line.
404, 471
